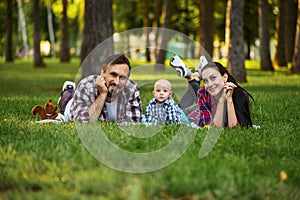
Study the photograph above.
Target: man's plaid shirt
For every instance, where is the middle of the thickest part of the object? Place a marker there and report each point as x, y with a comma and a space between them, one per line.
167, 112
129, 103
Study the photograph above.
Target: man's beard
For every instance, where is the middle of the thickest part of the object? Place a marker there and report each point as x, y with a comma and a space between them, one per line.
109, 95
114, 92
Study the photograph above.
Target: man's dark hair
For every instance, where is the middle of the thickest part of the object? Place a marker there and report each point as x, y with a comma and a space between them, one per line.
114, 60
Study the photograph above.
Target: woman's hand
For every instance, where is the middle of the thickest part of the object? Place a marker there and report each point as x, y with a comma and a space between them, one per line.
231, 115
228, 89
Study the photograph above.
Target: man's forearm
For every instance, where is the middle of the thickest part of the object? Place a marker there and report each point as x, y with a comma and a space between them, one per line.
96, 108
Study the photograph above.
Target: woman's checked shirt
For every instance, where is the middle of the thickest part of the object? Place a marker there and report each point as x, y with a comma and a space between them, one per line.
203, 115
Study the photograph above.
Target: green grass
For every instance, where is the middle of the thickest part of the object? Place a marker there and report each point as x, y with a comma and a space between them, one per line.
50, 161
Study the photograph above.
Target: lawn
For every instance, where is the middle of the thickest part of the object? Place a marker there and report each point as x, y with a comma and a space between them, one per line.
50, 161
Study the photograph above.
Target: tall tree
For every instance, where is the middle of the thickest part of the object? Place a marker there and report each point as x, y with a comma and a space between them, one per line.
280, 56
264, 36
146, 24
236, 57
98, 26
38, 60
9, 32
206, 25
227, 28
296, 57
22, 28
290, 28
156, 24
51, 28
250, 18
65, 53
164, 36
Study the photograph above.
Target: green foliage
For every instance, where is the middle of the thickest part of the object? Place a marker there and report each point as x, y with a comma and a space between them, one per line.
185, 17
49, 161
128, 14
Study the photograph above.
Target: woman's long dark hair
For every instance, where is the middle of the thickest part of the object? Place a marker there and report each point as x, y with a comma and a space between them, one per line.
240, 97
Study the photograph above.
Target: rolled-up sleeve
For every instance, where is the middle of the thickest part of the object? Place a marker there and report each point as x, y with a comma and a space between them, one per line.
83, 98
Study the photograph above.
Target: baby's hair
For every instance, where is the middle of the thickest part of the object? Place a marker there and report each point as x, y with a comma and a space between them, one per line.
165, 83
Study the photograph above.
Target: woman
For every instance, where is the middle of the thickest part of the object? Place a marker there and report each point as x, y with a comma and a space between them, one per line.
221, 101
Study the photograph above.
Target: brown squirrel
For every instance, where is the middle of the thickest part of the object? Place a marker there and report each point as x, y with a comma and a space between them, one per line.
46, 112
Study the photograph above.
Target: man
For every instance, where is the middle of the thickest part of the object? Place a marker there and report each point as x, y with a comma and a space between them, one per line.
110, 96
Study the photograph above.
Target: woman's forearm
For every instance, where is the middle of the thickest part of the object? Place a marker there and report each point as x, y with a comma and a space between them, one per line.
232, 119
219, 114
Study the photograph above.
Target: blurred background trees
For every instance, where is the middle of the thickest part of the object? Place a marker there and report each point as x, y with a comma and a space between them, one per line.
233, 30
37, 57
98, 26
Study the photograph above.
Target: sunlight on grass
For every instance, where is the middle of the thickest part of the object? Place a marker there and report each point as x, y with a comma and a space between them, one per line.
50, 162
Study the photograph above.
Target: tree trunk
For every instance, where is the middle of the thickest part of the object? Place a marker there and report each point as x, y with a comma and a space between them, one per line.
296, 58
280, 57
264, 36
160, 61
22, 25
155, 26
290, 28
248, 46
146, 24
206, 25
38, 60
227, 30
236, 57
9, 32
51, 30
98, 27
65, 53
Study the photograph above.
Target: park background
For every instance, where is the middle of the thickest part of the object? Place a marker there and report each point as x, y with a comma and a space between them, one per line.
49, 161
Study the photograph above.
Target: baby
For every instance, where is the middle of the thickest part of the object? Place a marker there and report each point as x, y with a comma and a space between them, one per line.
162, 108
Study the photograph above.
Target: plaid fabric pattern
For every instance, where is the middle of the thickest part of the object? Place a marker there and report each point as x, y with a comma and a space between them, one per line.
203, 115
129, 103
167, 112
206, 110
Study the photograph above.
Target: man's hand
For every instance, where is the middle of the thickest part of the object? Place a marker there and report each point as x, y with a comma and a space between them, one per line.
97, 106
101, 85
